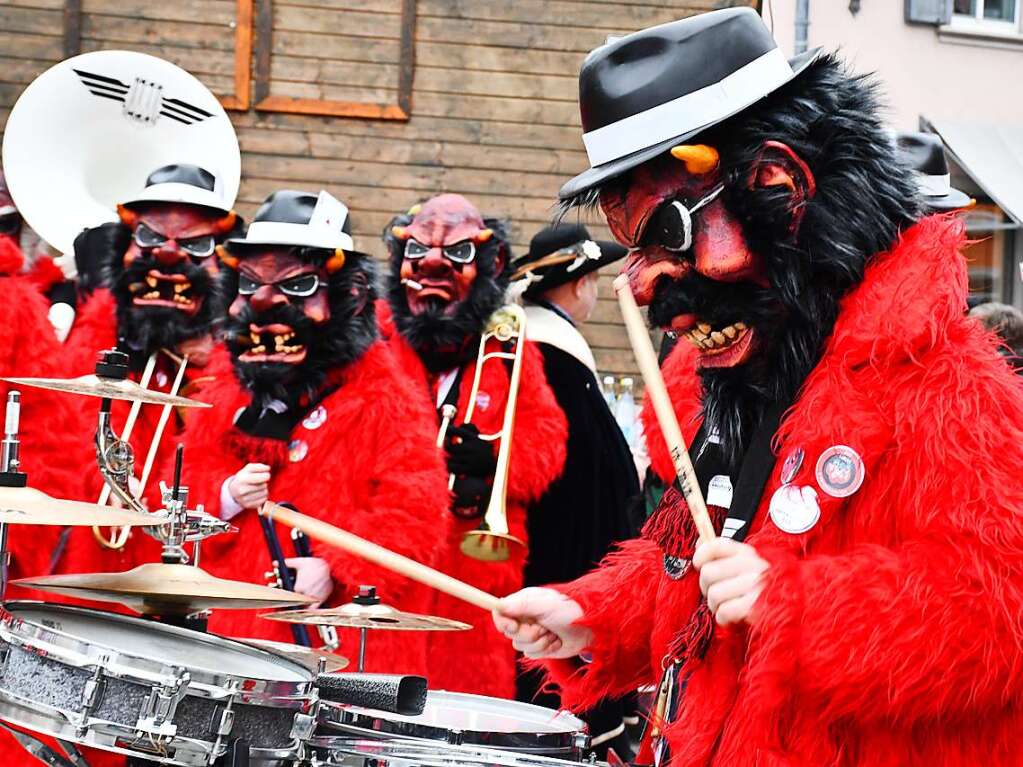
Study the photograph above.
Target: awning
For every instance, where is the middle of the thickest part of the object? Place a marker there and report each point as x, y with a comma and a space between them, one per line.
992, 155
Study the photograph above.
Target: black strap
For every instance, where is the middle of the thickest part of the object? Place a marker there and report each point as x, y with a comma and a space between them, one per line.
757, 465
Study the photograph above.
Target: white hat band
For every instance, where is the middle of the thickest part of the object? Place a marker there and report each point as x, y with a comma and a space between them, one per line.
689, 112
281, 233
934, 186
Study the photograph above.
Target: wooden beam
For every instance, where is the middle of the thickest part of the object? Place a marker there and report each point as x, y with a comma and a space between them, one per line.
72, 28
239, 100
332, 108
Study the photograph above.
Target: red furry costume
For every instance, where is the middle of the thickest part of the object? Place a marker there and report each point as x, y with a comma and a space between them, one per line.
886, 634
479, 661
358, 474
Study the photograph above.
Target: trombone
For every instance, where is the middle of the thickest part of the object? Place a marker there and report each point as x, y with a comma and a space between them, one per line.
119, 536
491, 541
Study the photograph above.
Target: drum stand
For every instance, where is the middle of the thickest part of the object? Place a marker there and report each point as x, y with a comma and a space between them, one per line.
9, 475
367, 596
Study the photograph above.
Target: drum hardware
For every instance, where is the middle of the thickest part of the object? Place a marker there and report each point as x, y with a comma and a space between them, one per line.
393, 693
491, 541
327, 751
460, 719
9, 473
281, 576
149, 690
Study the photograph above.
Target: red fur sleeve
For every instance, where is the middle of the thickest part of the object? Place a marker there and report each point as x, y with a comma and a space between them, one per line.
930, 627
618, 607
408, 495
540, 434
95, 329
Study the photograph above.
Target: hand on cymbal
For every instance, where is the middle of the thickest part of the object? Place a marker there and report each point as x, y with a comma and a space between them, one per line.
312, 578
541, 623
731, 578
250, 487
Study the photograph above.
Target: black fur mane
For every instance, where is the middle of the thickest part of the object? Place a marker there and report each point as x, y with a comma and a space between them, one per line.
864, 198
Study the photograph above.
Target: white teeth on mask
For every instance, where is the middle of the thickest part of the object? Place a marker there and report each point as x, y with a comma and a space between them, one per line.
731, 331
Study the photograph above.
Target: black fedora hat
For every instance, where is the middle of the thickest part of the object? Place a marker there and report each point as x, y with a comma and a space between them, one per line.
299, 219
925, 153
562, 253
643, 93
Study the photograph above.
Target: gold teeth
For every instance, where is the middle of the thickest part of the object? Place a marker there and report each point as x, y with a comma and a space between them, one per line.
704, 337
151, 281
280, 344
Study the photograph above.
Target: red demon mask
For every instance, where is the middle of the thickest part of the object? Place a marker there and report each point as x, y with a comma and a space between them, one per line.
671, 213
441, 243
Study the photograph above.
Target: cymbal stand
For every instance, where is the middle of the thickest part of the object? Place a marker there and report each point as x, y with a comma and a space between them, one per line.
185, 525
367, 596
9, 474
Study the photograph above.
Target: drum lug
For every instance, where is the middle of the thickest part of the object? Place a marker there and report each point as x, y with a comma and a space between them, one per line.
91, 696
303, 727
5, 653
226, 724
581, 742
161, 706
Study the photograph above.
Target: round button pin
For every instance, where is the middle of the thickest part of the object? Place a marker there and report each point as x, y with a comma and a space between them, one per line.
794, 509
840, 471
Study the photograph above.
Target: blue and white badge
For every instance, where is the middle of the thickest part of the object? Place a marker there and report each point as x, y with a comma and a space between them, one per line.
482, 400
298, 449
794, 509
840, 471
316, 418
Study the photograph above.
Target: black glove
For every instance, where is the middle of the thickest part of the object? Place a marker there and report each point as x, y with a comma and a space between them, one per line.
471, 497
467, 453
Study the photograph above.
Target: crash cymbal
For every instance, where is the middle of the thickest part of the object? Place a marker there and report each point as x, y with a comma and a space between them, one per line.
162, 589
110, 388
305, 656
355, 616
28, 506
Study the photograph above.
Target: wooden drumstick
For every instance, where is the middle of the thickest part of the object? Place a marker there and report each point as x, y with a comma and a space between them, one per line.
657, 394
378, 555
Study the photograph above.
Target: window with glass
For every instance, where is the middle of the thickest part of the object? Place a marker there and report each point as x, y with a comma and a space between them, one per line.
1006, 11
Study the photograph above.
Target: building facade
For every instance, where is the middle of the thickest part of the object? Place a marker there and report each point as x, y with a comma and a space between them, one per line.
945, 66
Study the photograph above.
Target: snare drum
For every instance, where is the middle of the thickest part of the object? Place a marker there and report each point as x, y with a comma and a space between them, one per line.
462, 719
354, 752
149, 690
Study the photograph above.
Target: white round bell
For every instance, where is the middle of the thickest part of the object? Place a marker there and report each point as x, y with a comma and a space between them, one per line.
85, 135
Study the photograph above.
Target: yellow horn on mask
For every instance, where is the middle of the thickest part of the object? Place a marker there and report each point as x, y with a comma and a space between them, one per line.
698, 158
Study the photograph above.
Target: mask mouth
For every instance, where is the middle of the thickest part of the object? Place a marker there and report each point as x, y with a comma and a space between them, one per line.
724, 346
273, 343
173, 290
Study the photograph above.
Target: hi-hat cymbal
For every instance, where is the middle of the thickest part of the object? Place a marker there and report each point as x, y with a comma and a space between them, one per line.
380, 616
109, 388
305, 656
162, 589
28, 506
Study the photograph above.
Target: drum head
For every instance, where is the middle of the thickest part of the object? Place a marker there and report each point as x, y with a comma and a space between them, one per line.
169, 645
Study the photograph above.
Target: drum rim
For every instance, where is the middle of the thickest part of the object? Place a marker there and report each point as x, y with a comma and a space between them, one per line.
472, 753
134, 666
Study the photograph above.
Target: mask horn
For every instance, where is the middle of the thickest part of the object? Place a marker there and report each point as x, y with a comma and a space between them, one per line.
335, 262
226, 258
698, 158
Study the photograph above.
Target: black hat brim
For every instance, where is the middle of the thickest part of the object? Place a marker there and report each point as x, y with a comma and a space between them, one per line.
954, 200
609, 253
600, 173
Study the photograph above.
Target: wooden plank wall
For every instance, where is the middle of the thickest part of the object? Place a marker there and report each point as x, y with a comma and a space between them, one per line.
494, 113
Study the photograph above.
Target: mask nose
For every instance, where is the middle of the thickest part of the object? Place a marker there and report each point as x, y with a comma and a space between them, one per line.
168, 254
266, 298
644, 269
434, 264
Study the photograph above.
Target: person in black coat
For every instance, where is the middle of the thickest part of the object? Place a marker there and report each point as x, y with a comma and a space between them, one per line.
586, 510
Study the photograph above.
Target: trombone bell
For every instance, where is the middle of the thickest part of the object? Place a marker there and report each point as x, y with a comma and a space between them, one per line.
489, 546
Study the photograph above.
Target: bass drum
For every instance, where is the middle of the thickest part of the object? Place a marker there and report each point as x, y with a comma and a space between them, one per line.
461, 719
354, 752
148, 690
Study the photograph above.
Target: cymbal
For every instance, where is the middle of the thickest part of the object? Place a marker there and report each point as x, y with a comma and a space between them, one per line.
379, 616
110, 388
162, 589
28, 506
305, 656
